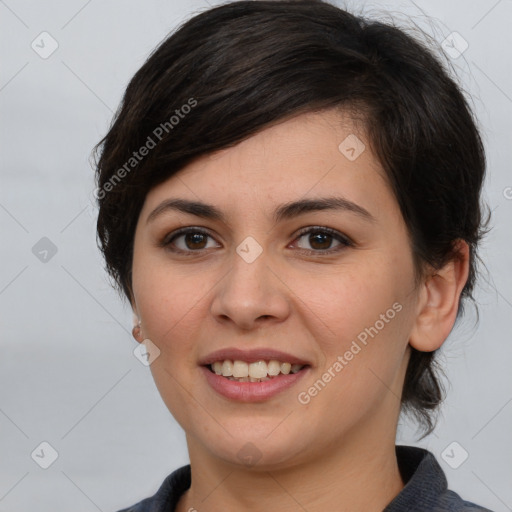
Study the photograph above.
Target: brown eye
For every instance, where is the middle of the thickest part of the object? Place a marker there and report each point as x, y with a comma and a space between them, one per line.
187, 240
195, 240
321, 239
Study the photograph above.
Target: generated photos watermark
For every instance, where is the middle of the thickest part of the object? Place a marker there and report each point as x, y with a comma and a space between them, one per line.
304, 397
137, 156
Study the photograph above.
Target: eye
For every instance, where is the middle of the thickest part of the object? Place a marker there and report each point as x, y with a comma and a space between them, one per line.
321, 238
192, 240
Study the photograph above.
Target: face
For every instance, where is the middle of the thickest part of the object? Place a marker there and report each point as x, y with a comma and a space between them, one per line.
327, 287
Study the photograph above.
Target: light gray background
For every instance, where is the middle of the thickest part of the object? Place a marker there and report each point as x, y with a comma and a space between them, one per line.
67, 372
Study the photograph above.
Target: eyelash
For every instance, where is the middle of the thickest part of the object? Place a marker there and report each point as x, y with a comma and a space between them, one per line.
344, 240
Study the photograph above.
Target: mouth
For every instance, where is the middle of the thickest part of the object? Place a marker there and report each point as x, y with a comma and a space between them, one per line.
257, 371
252, 375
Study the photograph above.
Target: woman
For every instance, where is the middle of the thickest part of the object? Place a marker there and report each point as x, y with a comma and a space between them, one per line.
290, 200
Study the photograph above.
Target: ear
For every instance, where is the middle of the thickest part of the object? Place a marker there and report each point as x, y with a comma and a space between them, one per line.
136, 331
439, 301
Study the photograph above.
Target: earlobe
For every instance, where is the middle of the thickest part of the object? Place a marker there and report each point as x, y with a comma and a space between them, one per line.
439, 301
137, 328
137, 332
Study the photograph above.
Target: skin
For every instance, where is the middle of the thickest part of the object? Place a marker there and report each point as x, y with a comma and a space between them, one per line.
329, 453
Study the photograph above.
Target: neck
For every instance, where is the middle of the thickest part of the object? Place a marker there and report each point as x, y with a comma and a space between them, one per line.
358, 473
353, 477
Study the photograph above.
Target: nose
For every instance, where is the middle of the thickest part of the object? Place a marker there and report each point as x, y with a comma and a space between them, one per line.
251, 294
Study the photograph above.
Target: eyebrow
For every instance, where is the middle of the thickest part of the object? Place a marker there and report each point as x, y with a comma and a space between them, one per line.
283, 212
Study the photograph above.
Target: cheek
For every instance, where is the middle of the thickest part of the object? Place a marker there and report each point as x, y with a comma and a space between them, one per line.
343, 304
167, 298
172, 311
360, 320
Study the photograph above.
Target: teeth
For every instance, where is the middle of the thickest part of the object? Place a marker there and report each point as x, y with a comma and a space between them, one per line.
259, 371
227, 368
248, 379
274, 367
295, 368
285, 368
240, 369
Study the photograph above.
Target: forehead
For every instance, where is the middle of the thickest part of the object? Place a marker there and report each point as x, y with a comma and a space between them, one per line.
310, 155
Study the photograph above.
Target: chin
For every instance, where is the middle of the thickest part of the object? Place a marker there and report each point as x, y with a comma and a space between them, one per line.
260, 449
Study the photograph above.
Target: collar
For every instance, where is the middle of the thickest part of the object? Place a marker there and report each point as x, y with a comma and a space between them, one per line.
424, 479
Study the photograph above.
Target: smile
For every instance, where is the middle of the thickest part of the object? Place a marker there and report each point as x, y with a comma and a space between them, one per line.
254, 375
258, 371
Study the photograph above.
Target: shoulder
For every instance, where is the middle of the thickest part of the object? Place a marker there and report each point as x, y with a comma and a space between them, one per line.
451, 502
168, 494
425, 485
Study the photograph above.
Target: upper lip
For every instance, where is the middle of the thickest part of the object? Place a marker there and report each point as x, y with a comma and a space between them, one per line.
251, 356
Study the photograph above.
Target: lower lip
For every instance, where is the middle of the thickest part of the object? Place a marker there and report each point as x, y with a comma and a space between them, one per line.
251, 391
